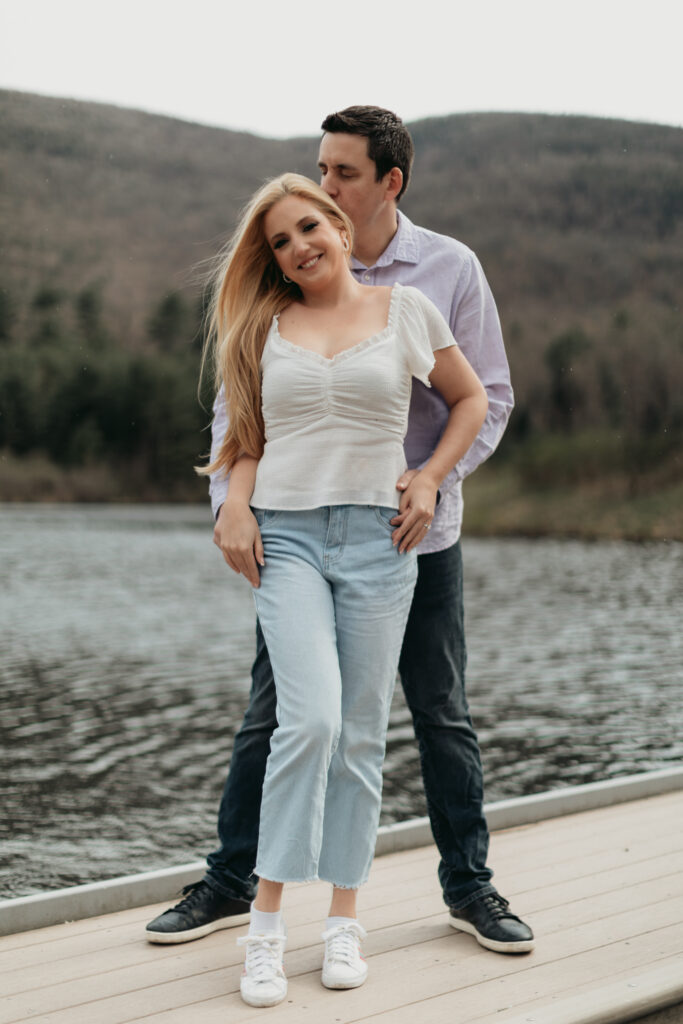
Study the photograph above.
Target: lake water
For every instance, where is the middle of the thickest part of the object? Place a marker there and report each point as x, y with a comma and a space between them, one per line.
126, 645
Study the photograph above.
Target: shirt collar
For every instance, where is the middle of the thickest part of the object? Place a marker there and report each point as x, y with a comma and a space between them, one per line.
404, 247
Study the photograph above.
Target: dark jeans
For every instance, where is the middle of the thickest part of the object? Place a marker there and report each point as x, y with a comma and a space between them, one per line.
432, 668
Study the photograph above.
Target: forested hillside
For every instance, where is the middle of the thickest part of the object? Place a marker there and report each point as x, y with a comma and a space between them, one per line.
108, 214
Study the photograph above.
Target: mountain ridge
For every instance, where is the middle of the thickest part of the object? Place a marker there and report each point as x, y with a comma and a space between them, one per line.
110, 216
97, 188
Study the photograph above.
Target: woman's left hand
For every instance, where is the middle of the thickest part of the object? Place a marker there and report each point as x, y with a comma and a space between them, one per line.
416, 509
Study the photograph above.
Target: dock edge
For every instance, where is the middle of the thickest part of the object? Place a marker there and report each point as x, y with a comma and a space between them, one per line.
94, 899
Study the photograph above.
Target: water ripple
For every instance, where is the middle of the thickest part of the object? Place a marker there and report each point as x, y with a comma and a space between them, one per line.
125, 671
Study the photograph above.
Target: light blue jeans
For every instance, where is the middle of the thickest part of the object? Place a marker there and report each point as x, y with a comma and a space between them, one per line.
333, 604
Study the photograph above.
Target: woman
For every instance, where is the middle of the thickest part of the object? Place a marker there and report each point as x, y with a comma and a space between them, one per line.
317, 372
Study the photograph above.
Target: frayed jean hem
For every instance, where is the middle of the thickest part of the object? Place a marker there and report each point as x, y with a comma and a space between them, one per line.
300, 880
340, 885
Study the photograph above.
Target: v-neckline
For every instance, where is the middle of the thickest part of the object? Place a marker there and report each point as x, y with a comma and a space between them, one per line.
357, 346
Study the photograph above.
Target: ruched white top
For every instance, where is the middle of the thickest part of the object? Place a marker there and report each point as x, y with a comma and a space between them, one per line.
335, 427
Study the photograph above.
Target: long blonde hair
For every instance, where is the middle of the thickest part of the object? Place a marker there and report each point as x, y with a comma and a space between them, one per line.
248, 291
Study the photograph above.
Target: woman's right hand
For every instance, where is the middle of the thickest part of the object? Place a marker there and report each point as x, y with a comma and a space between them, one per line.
237, 534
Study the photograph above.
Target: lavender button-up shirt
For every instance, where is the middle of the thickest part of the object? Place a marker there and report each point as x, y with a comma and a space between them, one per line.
451, 276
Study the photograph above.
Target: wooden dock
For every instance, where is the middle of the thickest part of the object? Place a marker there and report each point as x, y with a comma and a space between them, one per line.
603, 890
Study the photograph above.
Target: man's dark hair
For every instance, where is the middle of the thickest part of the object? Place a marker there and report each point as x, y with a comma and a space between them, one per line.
389, 141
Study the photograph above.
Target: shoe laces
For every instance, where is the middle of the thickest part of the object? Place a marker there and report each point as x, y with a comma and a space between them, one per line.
192, 893
498, 906
343, 941
263, 959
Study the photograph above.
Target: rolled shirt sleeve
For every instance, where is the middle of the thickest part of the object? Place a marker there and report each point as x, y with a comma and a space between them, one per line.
476, 326
218, 482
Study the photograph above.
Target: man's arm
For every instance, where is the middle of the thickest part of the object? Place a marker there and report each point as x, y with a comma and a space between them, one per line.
218, 482
236, 532
476, 327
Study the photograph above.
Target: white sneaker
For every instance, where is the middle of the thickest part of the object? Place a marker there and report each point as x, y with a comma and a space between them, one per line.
263, 981
343, 966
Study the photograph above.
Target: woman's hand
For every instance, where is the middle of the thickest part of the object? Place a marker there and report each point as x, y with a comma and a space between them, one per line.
416, 509
237, 534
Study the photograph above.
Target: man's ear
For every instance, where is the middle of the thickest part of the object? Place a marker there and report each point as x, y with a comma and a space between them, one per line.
394, 181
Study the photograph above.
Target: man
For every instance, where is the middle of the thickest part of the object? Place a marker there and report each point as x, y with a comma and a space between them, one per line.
365, 161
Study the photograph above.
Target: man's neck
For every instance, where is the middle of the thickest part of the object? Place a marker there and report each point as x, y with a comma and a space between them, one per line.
368, 245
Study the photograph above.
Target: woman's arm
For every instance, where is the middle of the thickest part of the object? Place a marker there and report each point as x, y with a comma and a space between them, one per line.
236, 531
456, 381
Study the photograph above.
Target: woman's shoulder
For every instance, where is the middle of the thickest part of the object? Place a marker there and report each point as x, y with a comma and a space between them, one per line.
287, 313
414, 306
420, 318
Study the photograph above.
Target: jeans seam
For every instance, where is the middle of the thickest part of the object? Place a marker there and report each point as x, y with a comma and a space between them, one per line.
383, 522
331, 559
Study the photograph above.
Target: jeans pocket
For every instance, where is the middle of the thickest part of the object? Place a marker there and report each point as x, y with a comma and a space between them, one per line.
264, 516
385, 515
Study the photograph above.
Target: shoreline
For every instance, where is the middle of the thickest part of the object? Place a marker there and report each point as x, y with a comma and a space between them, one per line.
497, 502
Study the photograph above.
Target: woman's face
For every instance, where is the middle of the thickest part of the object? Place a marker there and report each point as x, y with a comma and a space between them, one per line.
307, 246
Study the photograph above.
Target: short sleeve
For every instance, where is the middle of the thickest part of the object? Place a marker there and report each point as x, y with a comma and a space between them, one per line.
423, 332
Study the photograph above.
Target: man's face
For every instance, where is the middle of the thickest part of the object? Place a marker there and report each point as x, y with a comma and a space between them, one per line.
349, 175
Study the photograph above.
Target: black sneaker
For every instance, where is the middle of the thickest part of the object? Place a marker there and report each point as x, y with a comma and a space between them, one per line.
202, 910
493, 925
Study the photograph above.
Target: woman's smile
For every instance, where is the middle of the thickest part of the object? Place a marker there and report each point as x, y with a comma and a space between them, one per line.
312, 262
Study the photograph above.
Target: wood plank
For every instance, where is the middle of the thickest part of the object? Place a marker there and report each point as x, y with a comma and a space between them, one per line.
90, 962
550, 887
564, 958
432, 951
437, 992
54, 932
638, 813
441, 984
562, 897
625, 996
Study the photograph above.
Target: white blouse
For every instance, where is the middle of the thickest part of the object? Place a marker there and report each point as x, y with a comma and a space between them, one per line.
335, 427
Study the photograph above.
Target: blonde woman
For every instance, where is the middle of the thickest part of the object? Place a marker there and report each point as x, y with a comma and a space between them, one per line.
317, 371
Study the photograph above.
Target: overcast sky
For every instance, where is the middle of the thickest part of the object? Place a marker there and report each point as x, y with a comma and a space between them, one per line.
275, 67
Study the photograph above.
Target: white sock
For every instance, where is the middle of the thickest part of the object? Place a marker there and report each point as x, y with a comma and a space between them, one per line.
334, 922
262, 923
